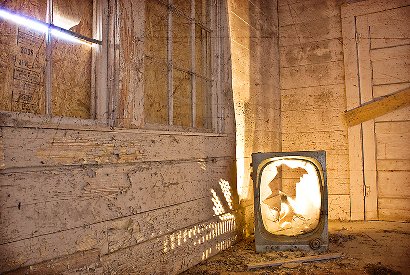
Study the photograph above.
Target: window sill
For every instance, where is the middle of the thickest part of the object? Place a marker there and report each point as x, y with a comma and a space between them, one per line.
27, 120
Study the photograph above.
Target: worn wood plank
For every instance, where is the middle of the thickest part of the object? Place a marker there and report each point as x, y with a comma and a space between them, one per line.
311, 53
394, 184
340, 208
333, 141
296, 12
319, 28
313, 120
172, 253
368, 136
393, 165
377, 107
399, 115
82, 260
130, 31
307, 76
296, 260
391, 70
397, 127
118, 235
48, 147
393, 146
2, 161
394, 209
370, 172
32, 209
382, 90
353, 98
314, 98
390, 28
363, 7
356, 173
350, 62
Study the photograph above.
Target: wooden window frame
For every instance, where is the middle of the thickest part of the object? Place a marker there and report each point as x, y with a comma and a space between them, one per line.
99, 94
214, 31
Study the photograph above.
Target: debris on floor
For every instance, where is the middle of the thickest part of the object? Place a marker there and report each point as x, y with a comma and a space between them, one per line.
374, 248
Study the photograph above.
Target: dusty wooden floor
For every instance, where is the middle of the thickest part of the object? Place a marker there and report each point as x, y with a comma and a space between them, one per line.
368, 248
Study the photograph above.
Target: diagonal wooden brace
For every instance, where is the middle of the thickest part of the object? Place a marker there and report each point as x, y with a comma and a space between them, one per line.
378, 107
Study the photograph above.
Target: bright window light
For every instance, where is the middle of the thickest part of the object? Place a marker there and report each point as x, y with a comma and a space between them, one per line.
42, 27
24, 21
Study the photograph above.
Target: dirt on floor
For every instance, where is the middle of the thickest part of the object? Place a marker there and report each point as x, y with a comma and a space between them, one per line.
367, 248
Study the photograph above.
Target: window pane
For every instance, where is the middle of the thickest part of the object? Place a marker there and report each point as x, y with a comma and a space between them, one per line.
203, 104
202, 52
181, 42
74, 15
22, 61
202, 14
182, 99
71, 80
35, 8
156, 28
155, 92
183, 5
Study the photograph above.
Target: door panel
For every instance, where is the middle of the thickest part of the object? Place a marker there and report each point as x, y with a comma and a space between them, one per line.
382, 55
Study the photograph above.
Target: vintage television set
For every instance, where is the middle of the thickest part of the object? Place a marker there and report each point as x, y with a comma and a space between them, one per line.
291, 204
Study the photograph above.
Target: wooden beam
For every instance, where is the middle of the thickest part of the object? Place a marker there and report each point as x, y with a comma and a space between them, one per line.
296, 260
377, 107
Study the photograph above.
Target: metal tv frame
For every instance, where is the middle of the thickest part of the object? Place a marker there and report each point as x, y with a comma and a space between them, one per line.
317, 239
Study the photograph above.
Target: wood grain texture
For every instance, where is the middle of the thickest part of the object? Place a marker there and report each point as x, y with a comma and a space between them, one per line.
356, 9
83, 196
296, 260
47, 147
378, 107
30, 209
394, 209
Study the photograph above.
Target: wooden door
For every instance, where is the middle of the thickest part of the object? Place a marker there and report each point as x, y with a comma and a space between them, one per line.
379, 147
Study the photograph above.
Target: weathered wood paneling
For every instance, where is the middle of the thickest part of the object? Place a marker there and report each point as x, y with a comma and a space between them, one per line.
312, 90
339, 207
48, 147
295, 12
390, 28
394, 184
312, 75
126, 200
311, 53
394, 209
119, 237
171, 258
390, 146
30, 209
318, 28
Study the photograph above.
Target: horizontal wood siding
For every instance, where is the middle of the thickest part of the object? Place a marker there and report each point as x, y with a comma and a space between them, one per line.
79, 196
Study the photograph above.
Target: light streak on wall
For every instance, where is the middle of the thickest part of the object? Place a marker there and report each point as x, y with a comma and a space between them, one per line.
41, 27
201, 233
218, 207
226, 190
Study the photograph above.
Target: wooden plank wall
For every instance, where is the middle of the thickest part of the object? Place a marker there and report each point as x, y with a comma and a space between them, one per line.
389, 54
313, 91
114, 200
255, 79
